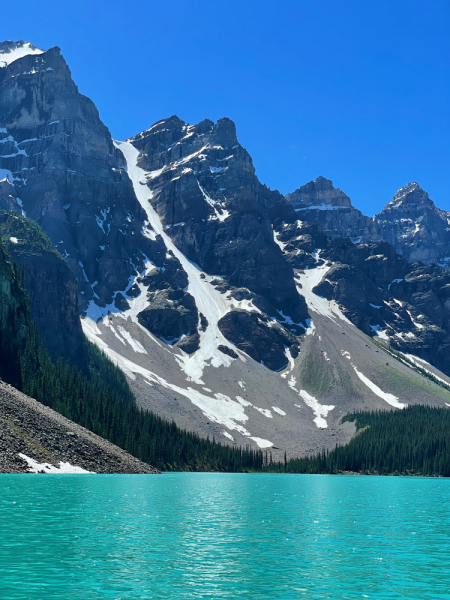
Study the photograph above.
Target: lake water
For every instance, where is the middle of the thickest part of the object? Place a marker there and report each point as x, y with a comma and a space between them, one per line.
252, 537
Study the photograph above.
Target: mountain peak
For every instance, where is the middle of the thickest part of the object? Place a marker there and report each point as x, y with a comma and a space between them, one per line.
11, 51
411, 195
319, 192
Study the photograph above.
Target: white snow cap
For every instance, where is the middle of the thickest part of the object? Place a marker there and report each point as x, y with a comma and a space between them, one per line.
11, 51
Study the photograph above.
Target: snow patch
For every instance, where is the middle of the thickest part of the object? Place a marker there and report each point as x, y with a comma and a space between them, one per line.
320, 207
320, 410
64, 467
420, 362
394, 281
6, 58
308, 280
282, 245
137, 346
389, 398
262, 443
381, 333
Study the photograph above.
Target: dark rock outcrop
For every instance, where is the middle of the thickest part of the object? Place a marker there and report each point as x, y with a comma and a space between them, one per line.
415, 227
51, 286
217, 212
250, 333
171, 314
14, 321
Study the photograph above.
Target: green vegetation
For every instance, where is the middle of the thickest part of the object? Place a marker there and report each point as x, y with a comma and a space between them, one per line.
412, 441
317, 376
33, 239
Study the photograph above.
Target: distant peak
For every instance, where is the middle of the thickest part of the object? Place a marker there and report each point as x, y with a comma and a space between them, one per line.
317, 193
407, 189
170, 123
410, 194
11, 51
323, 181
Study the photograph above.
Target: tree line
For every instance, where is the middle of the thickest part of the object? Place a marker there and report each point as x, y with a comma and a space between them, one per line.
412, 441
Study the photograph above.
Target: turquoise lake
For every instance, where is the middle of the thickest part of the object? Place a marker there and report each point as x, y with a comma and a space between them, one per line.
206, 535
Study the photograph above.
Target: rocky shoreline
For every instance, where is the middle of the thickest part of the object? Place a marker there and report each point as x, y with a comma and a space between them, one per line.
45, 437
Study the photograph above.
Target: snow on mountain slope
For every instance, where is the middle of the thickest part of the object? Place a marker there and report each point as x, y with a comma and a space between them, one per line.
233, 398
208, 300
11, 51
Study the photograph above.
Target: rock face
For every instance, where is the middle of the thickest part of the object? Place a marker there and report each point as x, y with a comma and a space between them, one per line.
30, 429
66, 172
51, 286
319, 202
410, 222
404, 304
14, 321
415, 227
171, 313
207, 195
251, 334
8, 197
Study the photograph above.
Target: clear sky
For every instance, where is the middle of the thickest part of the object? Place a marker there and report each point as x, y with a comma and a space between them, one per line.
355, 90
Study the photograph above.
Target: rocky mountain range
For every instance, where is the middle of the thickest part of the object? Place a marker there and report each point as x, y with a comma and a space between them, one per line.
238, 313
410, 222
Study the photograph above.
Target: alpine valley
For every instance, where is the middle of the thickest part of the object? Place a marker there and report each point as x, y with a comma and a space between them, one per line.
242, 315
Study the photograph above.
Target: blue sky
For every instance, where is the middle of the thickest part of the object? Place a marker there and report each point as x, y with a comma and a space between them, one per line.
357, 91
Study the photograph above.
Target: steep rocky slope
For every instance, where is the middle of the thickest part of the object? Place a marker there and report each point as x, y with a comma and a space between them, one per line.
415, 227
65, 172
405, 305
51, 286
36, 439
14, 321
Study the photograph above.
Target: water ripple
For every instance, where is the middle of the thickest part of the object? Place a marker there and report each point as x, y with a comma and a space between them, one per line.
213, 536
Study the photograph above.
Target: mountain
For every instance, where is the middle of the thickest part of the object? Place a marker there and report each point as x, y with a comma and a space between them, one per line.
415, 227
410, 222
66, 173
235, 312
319, 202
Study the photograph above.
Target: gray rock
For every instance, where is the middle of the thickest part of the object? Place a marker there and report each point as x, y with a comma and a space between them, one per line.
319, 202
30, 428
69, 176
249, 333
